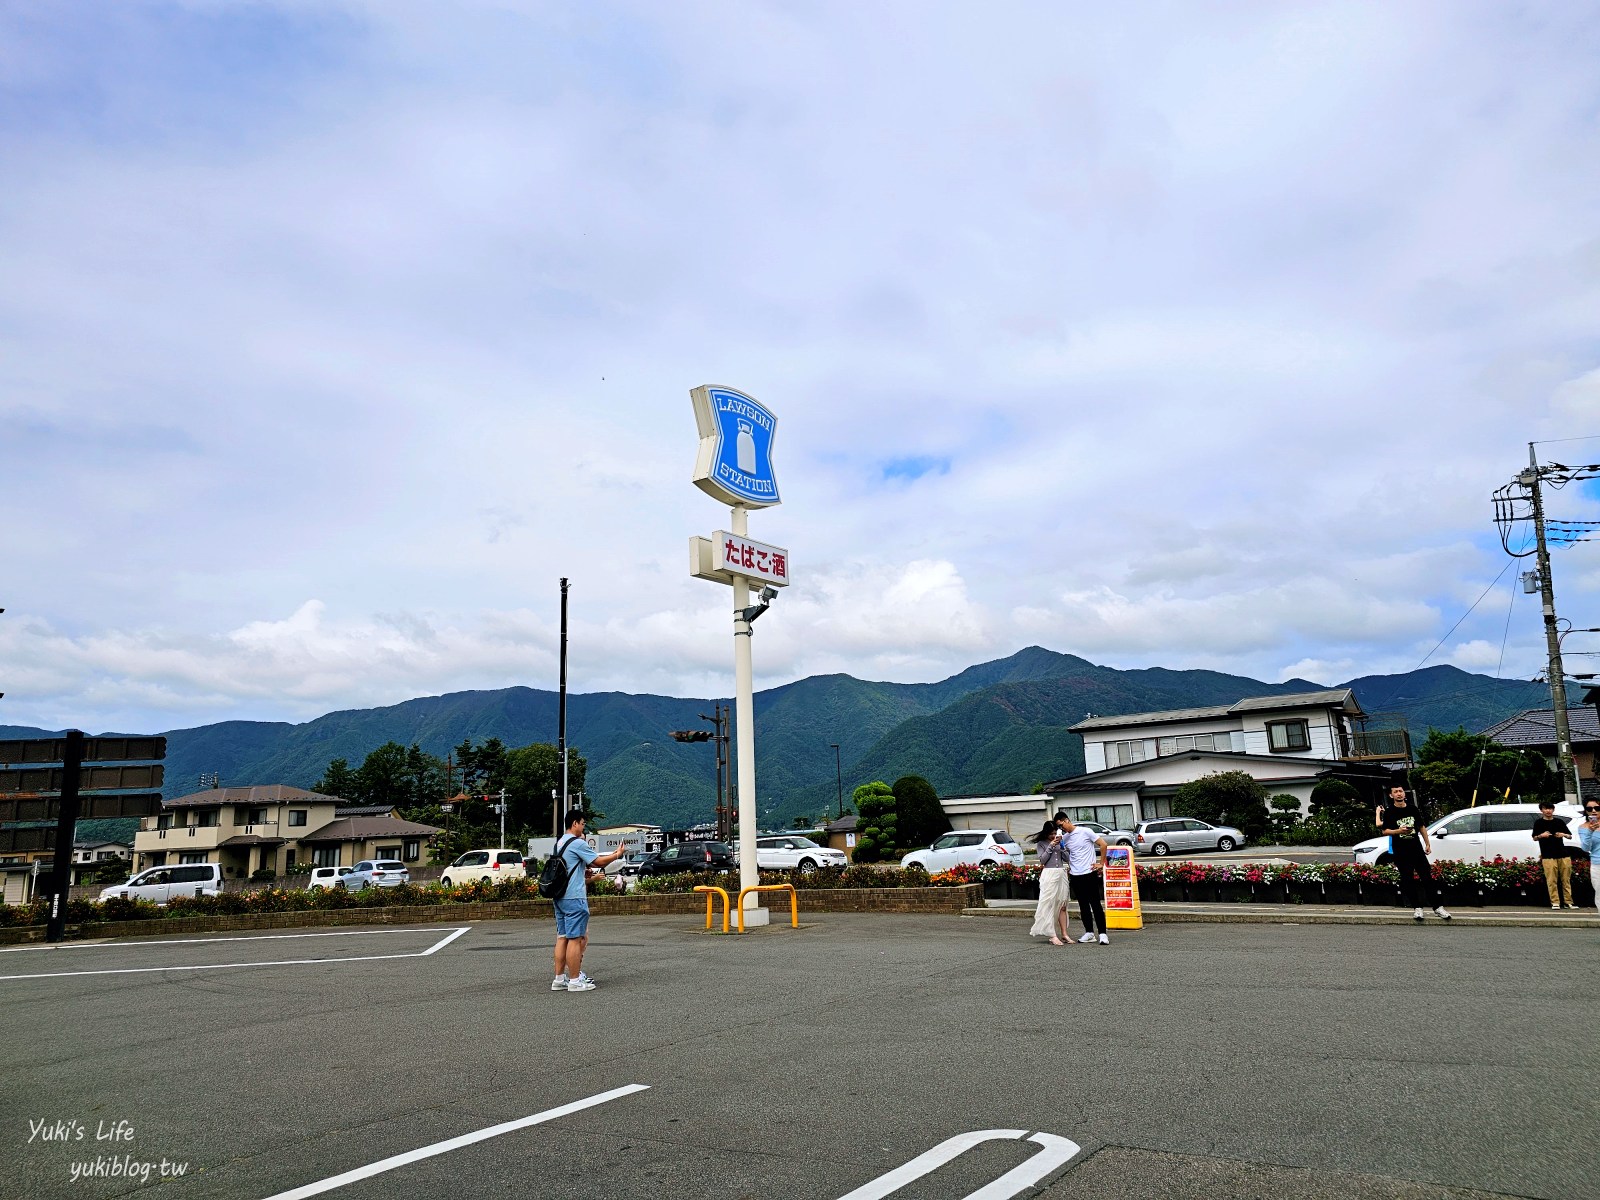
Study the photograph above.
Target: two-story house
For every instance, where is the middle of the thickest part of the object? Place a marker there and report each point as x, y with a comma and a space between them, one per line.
247, 829
1288, 743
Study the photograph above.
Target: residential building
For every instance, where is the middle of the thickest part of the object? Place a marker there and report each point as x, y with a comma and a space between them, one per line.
1534, 729
247, 829
1135, 763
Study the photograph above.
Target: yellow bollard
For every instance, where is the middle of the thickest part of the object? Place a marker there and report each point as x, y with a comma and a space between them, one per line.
711, 894
794, 900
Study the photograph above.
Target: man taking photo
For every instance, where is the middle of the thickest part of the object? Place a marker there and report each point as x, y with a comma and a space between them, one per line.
572, 906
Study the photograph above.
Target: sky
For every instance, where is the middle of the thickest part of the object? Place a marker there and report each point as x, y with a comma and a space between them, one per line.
333, 335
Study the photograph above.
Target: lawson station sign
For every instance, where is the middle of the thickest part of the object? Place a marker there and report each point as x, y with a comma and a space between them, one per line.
734, 464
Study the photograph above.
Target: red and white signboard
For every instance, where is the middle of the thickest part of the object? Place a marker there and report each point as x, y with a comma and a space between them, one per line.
737, 555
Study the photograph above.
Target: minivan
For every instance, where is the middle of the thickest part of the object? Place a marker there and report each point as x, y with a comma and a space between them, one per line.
1480, 834
160, 884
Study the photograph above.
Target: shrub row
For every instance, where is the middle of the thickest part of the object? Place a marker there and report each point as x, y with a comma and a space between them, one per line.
1500, 875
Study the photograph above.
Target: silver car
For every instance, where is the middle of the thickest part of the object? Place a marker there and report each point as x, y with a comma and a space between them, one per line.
1113, 837
383, 872
1171, 835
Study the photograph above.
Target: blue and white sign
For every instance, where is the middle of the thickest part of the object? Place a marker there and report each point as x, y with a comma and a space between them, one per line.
736, 435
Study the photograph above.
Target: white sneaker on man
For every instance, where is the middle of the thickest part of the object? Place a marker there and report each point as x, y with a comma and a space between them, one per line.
581, 984
1104, 940
1417, 916
558, 984
1088, 937
1441, 914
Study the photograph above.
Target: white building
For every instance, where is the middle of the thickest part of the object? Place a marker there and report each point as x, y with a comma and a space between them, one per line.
1134, 763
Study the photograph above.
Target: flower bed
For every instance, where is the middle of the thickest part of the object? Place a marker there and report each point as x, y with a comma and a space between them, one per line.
1500, 882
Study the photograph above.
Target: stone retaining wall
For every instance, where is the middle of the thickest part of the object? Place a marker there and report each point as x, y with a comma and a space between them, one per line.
885, 900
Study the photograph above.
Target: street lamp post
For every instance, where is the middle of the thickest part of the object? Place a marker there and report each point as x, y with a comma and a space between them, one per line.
838, 778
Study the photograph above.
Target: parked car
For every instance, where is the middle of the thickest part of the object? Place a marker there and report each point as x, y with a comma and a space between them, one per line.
972, 846
381, 872
628, 864
160, 884
793, 852
1113, 837
326, 878
494, 865
690, 856
1168, 835
1479, 834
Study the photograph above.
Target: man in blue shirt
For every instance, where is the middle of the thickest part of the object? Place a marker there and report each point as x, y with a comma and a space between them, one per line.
572, 907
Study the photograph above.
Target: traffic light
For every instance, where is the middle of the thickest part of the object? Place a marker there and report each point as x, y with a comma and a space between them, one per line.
691, 735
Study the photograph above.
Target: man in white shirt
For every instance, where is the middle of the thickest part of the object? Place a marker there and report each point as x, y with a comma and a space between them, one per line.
1086, 860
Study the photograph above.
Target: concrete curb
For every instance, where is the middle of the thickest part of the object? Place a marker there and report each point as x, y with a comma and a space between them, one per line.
948, 901
1315, 914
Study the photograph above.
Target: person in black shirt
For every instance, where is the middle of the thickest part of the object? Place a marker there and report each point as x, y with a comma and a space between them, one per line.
1409, 848
1550, 831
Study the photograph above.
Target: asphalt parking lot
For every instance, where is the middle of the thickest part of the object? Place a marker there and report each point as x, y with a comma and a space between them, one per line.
819, 1063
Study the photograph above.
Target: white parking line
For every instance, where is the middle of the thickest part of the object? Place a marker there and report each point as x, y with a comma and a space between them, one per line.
255, 937
285, 962
455, 1143
1054, 1152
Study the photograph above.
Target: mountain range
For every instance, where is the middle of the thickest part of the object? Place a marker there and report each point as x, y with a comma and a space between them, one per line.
996, 727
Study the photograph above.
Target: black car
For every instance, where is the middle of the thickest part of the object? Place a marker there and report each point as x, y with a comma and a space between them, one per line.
689, 856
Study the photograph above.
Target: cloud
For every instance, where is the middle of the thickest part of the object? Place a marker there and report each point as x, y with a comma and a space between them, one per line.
337, 335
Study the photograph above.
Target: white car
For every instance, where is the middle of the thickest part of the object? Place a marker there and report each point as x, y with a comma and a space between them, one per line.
326, 878
1478, 834
494, 865
974, 846
793, 852
160, 884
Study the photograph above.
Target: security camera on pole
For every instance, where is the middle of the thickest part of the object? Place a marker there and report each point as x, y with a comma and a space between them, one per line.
735, 466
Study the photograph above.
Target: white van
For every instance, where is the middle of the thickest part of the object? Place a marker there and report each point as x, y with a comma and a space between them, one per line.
324, 878
1480, 834
160, 884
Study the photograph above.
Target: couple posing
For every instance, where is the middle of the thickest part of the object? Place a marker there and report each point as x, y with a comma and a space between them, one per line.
1071, 860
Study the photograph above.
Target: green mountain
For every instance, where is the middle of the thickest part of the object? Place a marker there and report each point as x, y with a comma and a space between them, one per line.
996, 727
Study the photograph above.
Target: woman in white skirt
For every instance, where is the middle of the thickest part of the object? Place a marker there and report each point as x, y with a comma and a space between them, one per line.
1051, 916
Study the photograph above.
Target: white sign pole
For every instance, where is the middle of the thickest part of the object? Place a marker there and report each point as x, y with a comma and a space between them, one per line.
744, 708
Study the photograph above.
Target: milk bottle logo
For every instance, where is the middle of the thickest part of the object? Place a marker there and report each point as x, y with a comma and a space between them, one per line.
736, 436
747, 448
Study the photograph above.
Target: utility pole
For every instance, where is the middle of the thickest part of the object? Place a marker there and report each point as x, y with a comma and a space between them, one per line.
838, 778
1531, 480
561, 732
1552, 635
718, 736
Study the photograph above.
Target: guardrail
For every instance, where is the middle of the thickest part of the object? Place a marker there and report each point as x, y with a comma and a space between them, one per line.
794, 902
711, 894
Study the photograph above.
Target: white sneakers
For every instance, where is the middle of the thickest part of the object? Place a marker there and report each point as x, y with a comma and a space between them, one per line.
1438, 912
1088, 937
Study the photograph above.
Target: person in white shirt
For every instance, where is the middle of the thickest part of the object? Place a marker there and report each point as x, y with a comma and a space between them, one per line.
1086, 861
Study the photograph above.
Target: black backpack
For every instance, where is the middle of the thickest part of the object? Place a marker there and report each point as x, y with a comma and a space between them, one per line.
554, 875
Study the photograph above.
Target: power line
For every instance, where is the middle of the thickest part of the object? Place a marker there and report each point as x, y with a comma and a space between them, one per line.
1463, 617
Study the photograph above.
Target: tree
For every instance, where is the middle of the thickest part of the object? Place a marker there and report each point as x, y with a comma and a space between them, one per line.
482, 768
1225, 798
404, 776
532, 773
921, 816
877, 826
338, 780
1285, 813
1341, 813
1455, 770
